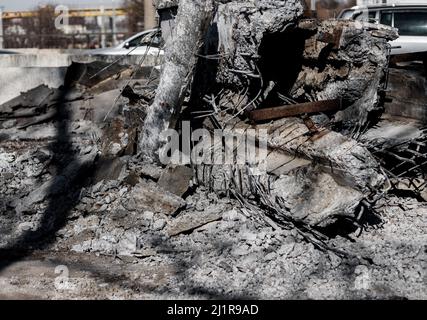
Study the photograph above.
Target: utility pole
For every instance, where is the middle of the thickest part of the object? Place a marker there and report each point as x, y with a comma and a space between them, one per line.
313, 8
1, 28
149, 15
103, 38
313, 5
114, 26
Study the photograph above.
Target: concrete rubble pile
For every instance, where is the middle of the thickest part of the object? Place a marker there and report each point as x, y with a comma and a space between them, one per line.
73, 168
330, 76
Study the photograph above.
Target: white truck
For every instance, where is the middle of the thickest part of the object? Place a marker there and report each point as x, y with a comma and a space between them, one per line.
410, 20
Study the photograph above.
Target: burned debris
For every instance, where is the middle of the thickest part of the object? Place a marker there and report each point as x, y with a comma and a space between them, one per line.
334, 68
81, 167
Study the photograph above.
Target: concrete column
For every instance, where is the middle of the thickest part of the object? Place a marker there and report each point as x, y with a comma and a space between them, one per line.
149, 15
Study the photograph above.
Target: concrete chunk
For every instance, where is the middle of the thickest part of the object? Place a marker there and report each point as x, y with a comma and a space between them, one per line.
176, 179
149, 197
189, 222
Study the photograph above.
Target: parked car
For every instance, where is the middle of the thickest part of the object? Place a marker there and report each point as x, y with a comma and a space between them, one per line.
410, 20
147, 42
7, 52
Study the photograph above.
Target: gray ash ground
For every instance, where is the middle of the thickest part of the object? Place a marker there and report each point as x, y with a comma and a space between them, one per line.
126, 238
121, 236
115, 250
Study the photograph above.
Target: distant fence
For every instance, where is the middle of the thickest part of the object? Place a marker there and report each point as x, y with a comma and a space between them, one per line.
62, 41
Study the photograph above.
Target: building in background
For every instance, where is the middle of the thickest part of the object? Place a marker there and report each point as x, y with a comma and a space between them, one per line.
93, 25
89, 26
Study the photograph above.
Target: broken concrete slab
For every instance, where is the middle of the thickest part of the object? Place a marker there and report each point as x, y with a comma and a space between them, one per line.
400, 145
342, 157
240, 40
315, 197
392, 131
37, 97
14, 80
316, 180
406, 92
149, 197
118, 139
150, 171
108, 169
342, 71
280, 163
176, 179
190, 222
57, 185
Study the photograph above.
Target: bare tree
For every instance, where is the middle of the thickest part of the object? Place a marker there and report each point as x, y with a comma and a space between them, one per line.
41, 30
135, 15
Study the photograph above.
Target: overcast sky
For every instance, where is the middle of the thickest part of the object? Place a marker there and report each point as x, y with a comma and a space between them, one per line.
11, 5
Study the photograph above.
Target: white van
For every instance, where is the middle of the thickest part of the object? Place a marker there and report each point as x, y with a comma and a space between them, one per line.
410, 20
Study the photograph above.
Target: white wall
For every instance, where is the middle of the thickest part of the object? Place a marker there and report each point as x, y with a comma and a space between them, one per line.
13, 81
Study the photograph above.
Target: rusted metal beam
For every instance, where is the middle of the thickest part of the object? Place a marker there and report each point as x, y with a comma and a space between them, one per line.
295, 110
